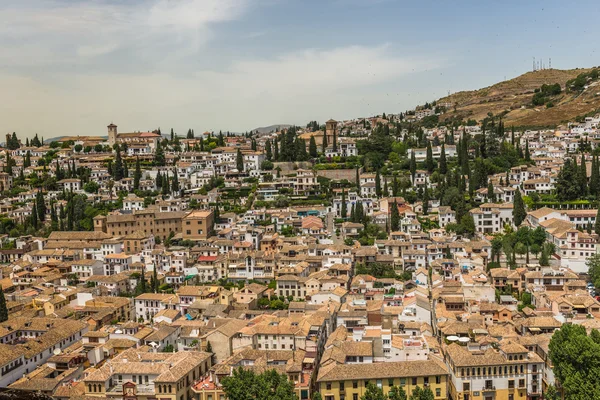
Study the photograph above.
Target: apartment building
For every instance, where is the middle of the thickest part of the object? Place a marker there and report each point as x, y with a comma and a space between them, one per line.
197, 225
149, 221
510, 372
491, 218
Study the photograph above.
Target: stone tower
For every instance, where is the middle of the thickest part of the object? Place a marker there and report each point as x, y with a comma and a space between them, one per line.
112, 134
330, 129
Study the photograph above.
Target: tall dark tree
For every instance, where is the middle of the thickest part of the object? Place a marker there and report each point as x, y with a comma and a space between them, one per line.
334, 140
413, 165
344, 210
443, 166
137, 175
268, 150
3, 307
159, 180
159, 155
324, 144
118, 170
34, 216
429, 163
40, 205
395, 186
426, 201
358, 180
527, 154
378, 191
312, 147
394, 217
175, 182
597, 223
519, 213
239, 161
27, 160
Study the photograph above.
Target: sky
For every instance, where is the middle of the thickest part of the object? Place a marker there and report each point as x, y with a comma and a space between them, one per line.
71, 67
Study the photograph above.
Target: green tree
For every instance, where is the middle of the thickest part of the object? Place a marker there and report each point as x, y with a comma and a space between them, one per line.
159, 155
421, 394
344, 211
137, 175
247, 385
41, 205
269, 150
519, 213
429, 163
396, 393
576, 360
3, 307
442, 164
324, 143
413, 165
312, 147
527, 154
208, 347
567, 182
551, 393
239, 161
373, 392
395, 218
118, 171
378, 191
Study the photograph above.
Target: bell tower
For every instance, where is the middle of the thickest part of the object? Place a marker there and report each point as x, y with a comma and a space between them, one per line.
112, 134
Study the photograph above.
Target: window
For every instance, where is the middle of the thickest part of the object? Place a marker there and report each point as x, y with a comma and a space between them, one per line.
511, 384
414, 381
355, 396
328, 386
438, 392
355, 384
342, 386
466, 386
390, 382
402, 381
438, 379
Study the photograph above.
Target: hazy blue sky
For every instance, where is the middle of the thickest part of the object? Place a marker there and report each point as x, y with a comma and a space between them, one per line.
73, 66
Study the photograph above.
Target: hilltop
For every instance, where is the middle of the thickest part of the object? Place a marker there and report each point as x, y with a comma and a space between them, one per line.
513, 98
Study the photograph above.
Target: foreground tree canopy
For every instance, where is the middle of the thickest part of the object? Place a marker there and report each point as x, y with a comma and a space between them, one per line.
270, 385
576, 359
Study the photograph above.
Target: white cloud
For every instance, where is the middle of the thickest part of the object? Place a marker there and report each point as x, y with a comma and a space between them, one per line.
292, 88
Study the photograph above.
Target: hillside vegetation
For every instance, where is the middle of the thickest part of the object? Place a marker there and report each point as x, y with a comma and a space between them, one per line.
523, 102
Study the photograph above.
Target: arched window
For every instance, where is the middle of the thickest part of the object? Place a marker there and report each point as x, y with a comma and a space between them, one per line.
89, 387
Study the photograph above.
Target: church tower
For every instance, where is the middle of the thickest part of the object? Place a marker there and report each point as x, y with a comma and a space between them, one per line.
330, 130
112, 134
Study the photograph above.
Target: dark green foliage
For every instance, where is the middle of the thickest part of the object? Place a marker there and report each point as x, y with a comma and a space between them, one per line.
519, 213
269, 385
394, 218
344, 211
312, 147
3, 307
137, 175
239, 161
576, 359
568, 182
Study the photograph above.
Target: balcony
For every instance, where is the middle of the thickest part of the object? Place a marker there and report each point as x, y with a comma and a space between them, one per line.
489, 388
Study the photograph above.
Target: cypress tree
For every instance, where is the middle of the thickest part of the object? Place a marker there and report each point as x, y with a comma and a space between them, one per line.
159, 180
41, 205
377, 184
443, 166
34, 216
358, 180
386, 191
413, 166
239, 161
594, 177
426, 202
3, 307
312, 147
394, 218
597, 223
175, 183
490, 192
527, 155
352, 213
429, 163
324, 144
344, 211
275, 151
137, 175
268, 150
519, 213
395, 186
201, 143
165, 185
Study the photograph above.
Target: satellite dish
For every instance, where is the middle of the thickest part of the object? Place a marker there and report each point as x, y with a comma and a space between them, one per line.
57, 351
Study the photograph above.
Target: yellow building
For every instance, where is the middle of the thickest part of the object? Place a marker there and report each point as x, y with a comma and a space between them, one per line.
509, 372
197, 225
349, 381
